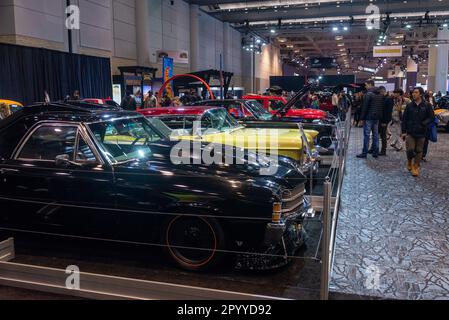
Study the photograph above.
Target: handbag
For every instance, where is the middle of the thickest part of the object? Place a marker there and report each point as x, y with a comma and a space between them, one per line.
432, 130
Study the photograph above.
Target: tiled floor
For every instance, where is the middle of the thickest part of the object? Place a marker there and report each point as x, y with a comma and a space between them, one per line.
393, 230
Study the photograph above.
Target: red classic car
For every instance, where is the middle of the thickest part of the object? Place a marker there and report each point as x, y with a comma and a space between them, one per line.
276, 105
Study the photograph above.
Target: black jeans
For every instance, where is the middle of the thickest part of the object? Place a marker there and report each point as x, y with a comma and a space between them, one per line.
383, 128
426, 148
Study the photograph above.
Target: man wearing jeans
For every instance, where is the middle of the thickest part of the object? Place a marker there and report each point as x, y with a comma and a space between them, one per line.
417, 117
372, 111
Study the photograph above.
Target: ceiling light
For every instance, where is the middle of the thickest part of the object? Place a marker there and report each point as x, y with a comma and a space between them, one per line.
445, 25
335, 29
409, 26
345, 28
273, 31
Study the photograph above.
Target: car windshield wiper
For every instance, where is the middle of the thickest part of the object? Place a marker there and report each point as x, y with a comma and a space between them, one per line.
127, 161
236, 129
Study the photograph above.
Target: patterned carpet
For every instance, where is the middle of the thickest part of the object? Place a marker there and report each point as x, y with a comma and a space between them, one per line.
393, 230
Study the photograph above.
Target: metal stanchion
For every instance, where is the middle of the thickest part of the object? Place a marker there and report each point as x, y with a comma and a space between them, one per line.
325, 243
311, 181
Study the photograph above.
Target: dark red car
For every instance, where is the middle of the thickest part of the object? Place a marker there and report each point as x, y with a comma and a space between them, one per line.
275, 104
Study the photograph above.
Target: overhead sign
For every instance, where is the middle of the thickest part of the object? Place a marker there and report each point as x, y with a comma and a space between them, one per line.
387, 51
179, 56
323, 63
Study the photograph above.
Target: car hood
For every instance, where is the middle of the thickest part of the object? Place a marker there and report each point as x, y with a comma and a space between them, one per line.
307, 113
285, 172
254, 138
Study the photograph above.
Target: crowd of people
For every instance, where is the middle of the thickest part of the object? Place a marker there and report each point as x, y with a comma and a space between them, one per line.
396, 118
130, 101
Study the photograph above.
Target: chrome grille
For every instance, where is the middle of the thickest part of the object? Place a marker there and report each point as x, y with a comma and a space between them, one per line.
293, 200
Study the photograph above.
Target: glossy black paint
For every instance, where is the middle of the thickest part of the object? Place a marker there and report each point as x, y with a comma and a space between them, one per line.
134, 201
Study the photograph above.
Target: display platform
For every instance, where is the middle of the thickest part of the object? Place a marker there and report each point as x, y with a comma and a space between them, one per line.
392, 234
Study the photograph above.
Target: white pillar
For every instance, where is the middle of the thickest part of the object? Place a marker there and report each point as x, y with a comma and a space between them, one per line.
143, 32
439, 64
194, 38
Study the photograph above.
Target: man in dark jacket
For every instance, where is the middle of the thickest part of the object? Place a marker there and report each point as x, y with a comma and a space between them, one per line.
372, 112
386, 119
128, 102
417, 117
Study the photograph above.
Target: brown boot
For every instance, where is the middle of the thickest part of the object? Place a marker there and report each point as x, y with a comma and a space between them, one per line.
410, 165
415, 170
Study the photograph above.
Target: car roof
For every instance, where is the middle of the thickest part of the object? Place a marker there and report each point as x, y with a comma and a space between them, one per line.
10, 102
79, 112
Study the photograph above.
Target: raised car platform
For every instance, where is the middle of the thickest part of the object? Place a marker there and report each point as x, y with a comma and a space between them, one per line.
393, 230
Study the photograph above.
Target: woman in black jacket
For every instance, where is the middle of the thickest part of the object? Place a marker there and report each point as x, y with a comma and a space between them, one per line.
416, 118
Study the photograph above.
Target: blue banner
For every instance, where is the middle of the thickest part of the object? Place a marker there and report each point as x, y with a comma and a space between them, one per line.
168, 73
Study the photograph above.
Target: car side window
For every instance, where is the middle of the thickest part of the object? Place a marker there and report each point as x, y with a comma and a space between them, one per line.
84, 153
48, 142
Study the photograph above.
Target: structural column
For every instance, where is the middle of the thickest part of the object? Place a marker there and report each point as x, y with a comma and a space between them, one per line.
227, 47
439, 64
194, 37
412, 74
143, 32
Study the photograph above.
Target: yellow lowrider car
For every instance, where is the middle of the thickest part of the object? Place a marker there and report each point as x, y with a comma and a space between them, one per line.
8, 107
217, 126
443, 117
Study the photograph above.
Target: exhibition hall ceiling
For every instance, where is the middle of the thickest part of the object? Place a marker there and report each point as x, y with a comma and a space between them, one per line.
346, 29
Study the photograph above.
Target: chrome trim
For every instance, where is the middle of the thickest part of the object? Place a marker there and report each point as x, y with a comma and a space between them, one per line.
116, 119
294, 197
300, 203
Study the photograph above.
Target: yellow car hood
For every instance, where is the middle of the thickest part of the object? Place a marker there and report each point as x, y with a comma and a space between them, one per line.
439, 111
287, 142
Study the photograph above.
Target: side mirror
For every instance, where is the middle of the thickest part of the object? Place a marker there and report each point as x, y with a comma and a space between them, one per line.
62, 160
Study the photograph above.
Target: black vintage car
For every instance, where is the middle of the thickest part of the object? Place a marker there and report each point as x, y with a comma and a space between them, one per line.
99, 173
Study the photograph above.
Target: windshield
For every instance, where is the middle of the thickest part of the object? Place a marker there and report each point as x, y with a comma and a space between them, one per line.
219, 120
125, 139
258, 110
160, 126
276, 105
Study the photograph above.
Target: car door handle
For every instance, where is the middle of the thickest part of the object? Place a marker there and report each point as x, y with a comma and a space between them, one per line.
5, 170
